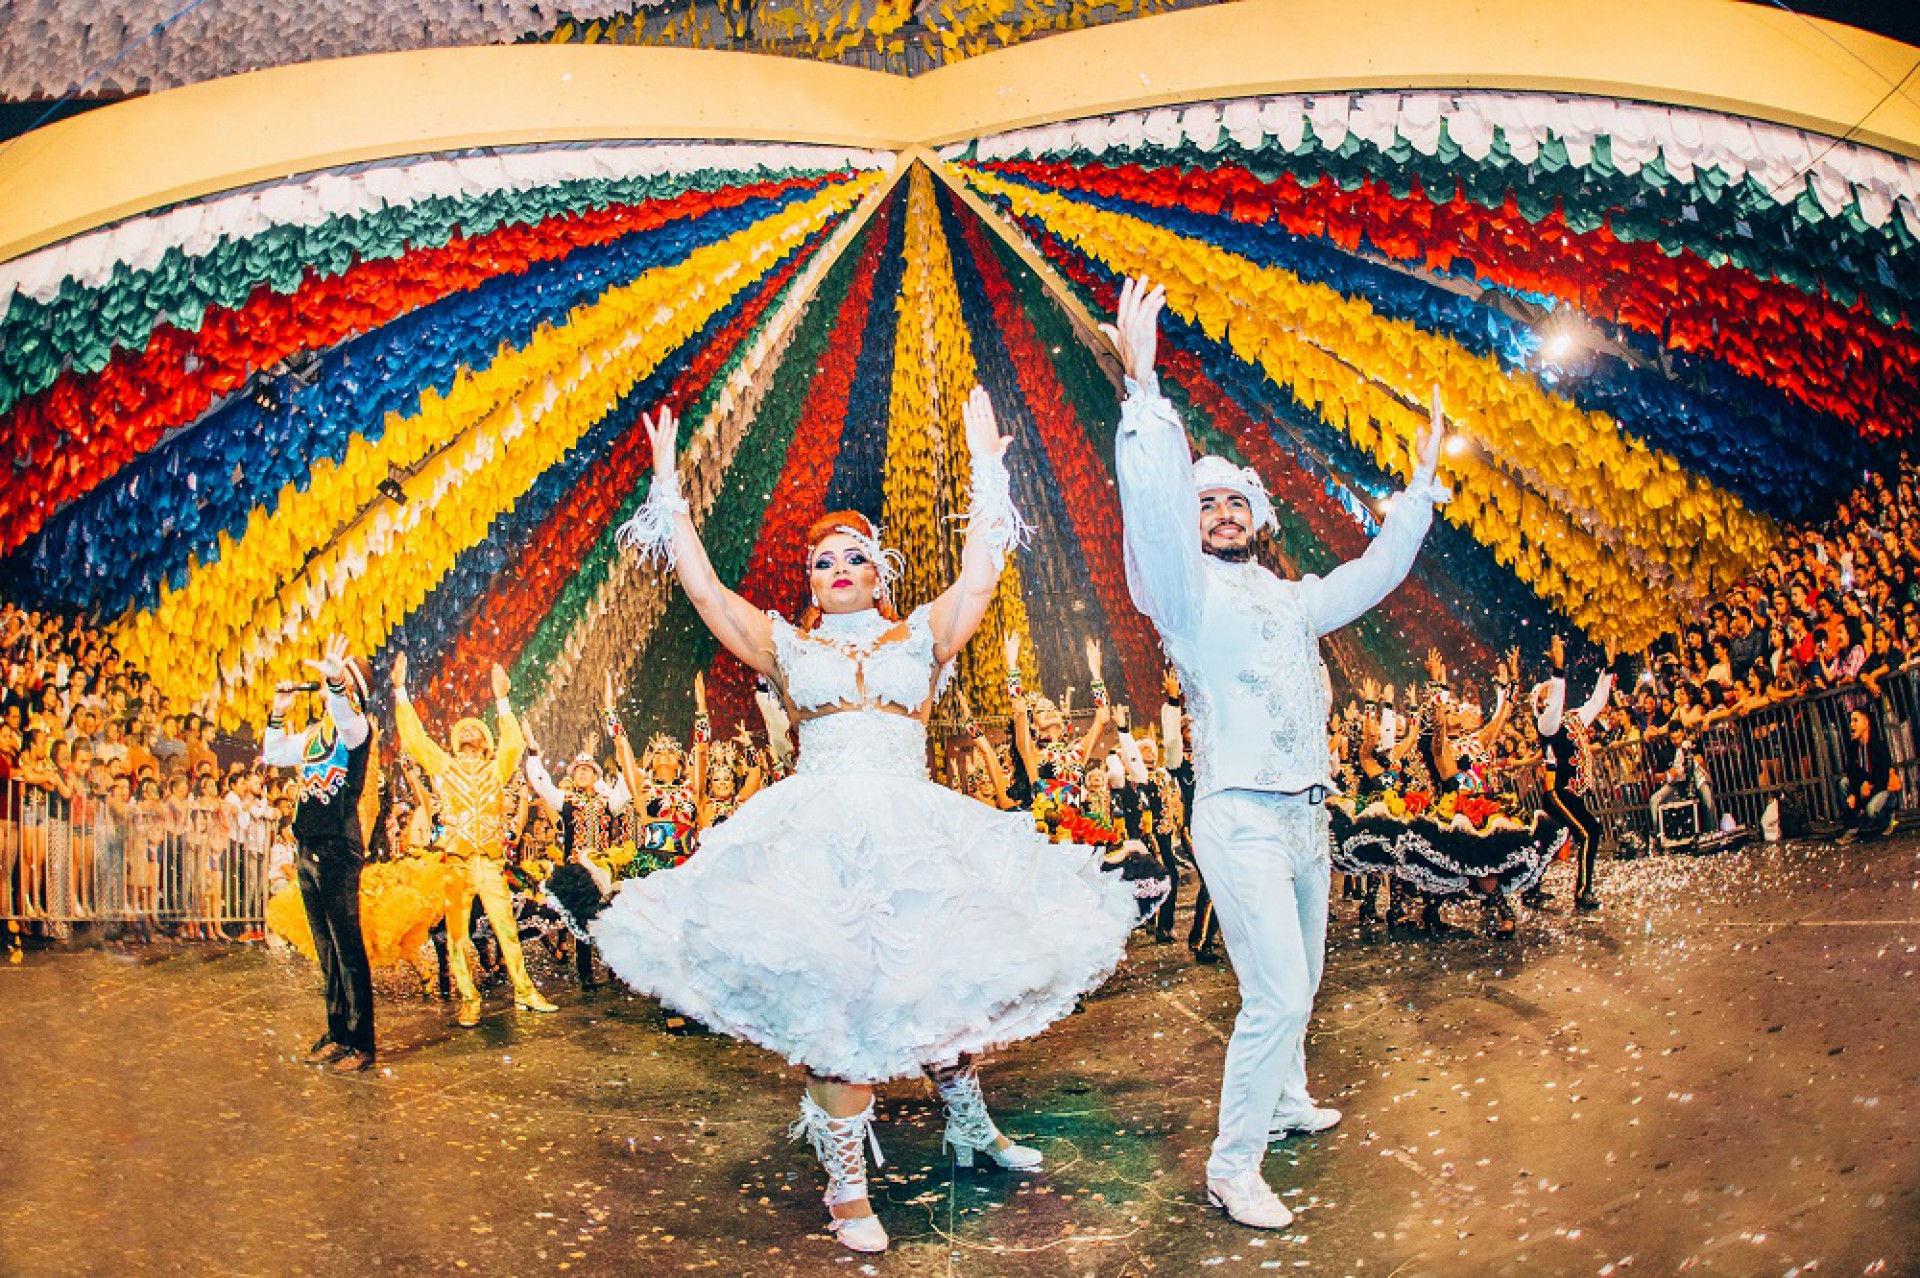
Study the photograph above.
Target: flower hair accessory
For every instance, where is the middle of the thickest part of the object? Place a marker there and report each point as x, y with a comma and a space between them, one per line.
886, 560
661, 741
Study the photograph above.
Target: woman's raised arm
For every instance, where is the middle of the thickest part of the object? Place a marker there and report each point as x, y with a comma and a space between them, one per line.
993, 526
663, 532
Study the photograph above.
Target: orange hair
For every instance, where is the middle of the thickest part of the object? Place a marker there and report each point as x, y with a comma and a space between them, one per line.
826, 526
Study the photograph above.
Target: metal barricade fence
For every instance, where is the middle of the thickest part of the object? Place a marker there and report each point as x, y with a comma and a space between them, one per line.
141, 864
1793, 752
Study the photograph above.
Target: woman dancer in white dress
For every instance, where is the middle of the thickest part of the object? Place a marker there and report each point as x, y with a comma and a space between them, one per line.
858, 918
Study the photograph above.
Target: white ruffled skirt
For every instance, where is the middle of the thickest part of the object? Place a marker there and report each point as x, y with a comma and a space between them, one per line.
868, 926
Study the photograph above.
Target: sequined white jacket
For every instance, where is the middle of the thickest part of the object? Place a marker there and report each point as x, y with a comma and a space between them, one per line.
1245, 642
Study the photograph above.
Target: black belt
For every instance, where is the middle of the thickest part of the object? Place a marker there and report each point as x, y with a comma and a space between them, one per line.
1315, 795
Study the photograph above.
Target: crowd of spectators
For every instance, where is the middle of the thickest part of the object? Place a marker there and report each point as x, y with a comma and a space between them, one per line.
1837, 605
113, 805
1835, 610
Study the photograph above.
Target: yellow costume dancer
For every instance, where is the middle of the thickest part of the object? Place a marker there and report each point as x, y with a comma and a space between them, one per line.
471, 783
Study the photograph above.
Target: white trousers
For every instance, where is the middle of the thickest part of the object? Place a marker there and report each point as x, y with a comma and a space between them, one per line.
1265, 861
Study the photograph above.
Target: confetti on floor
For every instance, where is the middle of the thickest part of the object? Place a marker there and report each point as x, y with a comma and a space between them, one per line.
1708, 1075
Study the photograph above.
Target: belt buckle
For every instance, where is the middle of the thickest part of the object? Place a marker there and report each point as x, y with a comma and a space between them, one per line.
1316, 795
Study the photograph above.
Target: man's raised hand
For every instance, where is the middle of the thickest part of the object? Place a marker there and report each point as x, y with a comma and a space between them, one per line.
1135, 328
1433, 439
333, 660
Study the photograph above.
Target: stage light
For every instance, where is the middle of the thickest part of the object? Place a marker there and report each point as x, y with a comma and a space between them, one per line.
390, 489
1458, 445
1564, 335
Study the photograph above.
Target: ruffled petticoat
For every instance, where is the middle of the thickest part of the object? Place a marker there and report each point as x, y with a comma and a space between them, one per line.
1443, 858
867, 923
400, 901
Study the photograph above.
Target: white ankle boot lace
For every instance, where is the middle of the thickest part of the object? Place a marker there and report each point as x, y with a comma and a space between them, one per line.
970, 1127
841, 1146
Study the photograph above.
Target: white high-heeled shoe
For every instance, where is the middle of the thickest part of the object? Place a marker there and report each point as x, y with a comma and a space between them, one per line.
841, 1146
970, 1128
859, 1233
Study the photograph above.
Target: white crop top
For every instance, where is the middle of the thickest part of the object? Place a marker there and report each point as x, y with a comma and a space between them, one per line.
844, 663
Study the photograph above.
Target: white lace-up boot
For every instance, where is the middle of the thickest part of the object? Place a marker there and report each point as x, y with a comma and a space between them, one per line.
970, 1128
841, 1146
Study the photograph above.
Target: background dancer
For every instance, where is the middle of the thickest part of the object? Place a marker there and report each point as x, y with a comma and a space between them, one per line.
331, 831
1459, 837
584, 812
472, 784
666, 795
1246, 644
1164, 816
1566, 771
1375, 771
1052, 772
858, 918
1136, 799
984, 775
733, 774
1203, 932
1350, 737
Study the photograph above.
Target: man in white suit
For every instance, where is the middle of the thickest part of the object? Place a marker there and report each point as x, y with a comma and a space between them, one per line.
1246, 644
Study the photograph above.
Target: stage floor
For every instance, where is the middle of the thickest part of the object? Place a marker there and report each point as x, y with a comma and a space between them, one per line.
1713, 1075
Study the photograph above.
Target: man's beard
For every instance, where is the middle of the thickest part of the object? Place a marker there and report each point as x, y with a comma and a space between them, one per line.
1228, 554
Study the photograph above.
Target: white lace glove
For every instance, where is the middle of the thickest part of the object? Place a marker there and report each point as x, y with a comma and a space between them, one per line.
650, 531
990, 509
